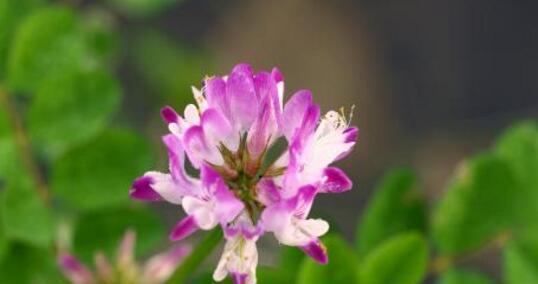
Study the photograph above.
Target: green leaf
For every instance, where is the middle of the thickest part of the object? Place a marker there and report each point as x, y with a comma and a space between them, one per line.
478, 205
103, 38
520, 258
11, 13
72, 108
156, 57
397, 206
519, 147
402, 259
290, 261
25, 216
26, 264
140, 8
48, 42
103, 230
3, 235
464, 277
99, 173
340, 269
271, 275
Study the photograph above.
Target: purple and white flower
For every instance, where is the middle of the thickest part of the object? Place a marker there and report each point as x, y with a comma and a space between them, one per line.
125, 269
229, 136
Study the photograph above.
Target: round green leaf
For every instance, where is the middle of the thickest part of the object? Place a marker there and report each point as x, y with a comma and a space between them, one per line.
27, 264
341, 268
25, 216
11, 13
99, 173
402, 259
519, 147
71, 108
465, 277
48, 42
478, 205
397, 206
103, 230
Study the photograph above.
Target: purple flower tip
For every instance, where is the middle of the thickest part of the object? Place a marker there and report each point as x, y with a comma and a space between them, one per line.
352, 134
239, 278
317, 251
142, 190
169, 115
183, 229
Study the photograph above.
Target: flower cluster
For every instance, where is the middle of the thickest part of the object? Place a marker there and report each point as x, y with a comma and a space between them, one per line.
125, 270
246, 186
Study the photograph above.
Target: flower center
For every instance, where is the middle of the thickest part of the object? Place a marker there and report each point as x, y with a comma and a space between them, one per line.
242, 172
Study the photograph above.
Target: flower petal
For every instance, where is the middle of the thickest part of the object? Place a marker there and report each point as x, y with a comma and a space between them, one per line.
184, 228
160, 267
75, 271
154, 185
317, 251
336, 181
197, 148
294, 112
219, 129
242, 97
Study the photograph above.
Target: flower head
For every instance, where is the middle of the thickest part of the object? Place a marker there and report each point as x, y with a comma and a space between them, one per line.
125, 269
248, 187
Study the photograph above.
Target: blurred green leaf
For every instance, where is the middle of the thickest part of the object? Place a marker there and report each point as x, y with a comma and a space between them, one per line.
103, 230
519, 147
290, 261
101, 31
169, 68
25, 216
397, 206
341, 268
464, 277
48, 42
26, 264
140, 8
402, 259
272, 275
478, 205
71, 108
3, 236
99, 173
520, 258
11, 13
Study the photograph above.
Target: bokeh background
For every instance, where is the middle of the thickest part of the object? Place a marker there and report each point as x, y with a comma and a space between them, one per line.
432, 82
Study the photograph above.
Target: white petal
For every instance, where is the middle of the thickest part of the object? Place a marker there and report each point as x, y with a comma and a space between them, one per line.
166, 187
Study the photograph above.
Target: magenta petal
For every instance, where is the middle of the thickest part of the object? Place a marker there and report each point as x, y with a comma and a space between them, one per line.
242, 97
142, 190
195, 145
239, 278
351, 134
227, 205
277, 75
183, 229
169, 115
215, 91
336, 181
74, 270
294, 111
317, 251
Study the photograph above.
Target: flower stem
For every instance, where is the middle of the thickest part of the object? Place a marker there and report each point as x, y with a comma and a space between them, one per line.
198, 255
23, 146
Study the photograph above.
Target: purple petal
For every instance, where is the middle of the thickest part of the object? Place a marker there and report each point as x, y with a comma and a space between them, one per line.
219, 129
294, 112
176, 155
277, 75
227, 205
268, 193
195, 145
239, 278
336, 181
242, 97
317, 251
351, 134
304, 199
215, 90
169, 115
183, 229
75, 271
142, 190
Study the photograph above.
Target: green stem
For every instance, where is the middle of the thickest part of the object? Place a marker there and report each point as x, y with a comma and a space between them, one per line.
198, 255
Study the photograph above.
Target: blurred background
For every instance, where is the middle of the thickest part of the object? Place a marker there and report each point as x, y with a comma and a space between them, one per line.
432, 81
